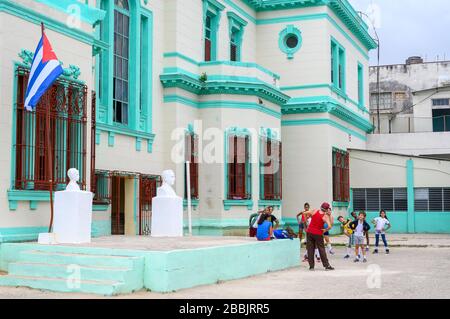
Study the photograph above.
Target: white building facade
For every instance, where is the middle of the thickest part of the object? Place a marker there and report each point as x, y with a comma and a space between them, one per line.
264, 97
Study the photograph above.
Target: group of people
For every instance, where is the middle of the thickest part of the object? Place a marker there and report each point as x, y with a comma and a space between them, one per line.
265, 226
317, 224
357, 231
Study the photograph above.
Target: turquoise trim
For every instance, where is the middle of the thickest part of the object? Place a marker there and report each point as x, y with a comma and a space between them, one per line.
265, 203
329, 87
212, 8
31, 16
342, 8
83, 11
216, 77
100, 208
236, 19
287, 32
241, 132
326, 104
236, 27
194, 202
341, 204
221, 105
21, 234
410, 189
361, 86
305, 87
138, 144
324, 121
224, 85
111, 139
140, 72
114, 129
339, 58
31, 196
230, 63
101, 228
228, 204
97, 137
241, 11
156, 271
317, 16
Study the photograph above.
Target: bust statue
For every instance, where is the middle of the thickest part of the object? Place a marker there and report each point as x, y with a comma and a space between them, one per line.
74, 177
168, 180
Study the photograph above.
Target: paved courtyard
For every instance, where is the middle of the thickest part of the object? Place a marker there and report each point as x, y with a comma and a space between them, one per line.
408, 272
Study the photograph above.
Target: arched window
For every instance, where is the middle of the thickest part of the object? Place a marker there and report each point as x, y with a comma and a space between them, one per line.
121, 61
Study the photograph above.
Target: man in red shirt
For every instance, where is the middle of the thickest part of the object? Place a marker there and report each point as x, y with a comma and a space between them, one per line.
315, 232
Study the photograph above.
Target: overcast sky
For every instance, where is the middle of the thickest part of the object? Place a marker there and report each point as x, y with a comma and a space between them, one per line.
409, 27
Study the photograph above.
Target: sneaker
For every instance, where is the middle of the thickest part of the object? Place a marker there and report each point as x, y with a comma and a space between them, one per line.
375, 251
331, 252
346, 256
329, 268
356, 260
365, 260
387, 251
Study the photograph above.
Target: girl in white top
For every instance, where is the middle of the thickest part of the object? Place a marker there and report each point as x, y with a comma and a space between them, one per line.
382, 225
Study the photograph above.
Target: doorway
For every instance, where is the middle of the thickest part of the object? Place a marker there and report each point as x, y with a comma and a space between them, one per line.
118, 205
147, 190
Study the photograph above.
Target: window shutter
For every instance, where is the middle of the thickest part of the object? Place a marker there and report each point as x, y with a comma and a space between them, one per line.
400, 199
387, 199
359, 199
373, 199
436, 199
421, 198
447, 199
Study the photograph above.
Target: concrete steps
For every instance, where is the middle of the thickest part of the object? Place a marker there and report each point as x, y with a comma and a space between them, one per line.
76, 272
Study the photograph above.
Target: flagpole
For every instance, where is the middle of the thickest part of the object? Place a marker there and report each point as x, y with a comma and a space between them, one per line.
49, 154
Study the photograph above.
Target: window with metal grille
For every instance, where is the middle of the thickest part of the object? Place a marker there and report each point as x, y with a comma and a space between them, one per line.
341, 176
271, 169
432, 199
375, 199
239, 167
67, 102
121, 62
191, 154
234, 47
102, 188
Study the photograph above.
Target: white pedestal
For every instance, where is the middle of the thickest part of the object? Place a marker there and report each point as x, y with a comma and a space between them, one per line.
47, 239
73, 217
167, 217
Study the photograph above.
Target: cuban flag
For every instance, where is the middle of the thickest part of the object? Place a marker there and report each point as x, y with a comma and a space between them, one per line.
45, 69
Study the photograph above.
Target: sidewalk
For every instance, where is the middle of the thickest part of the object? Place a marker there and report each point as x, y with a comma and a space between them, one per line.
404, 240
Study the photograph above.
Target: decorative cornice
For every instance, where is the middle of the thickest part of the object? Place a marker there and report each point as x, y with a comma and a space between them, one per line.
326, 104
85, 12
37, 18
72, 73
342, 8
224, 85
